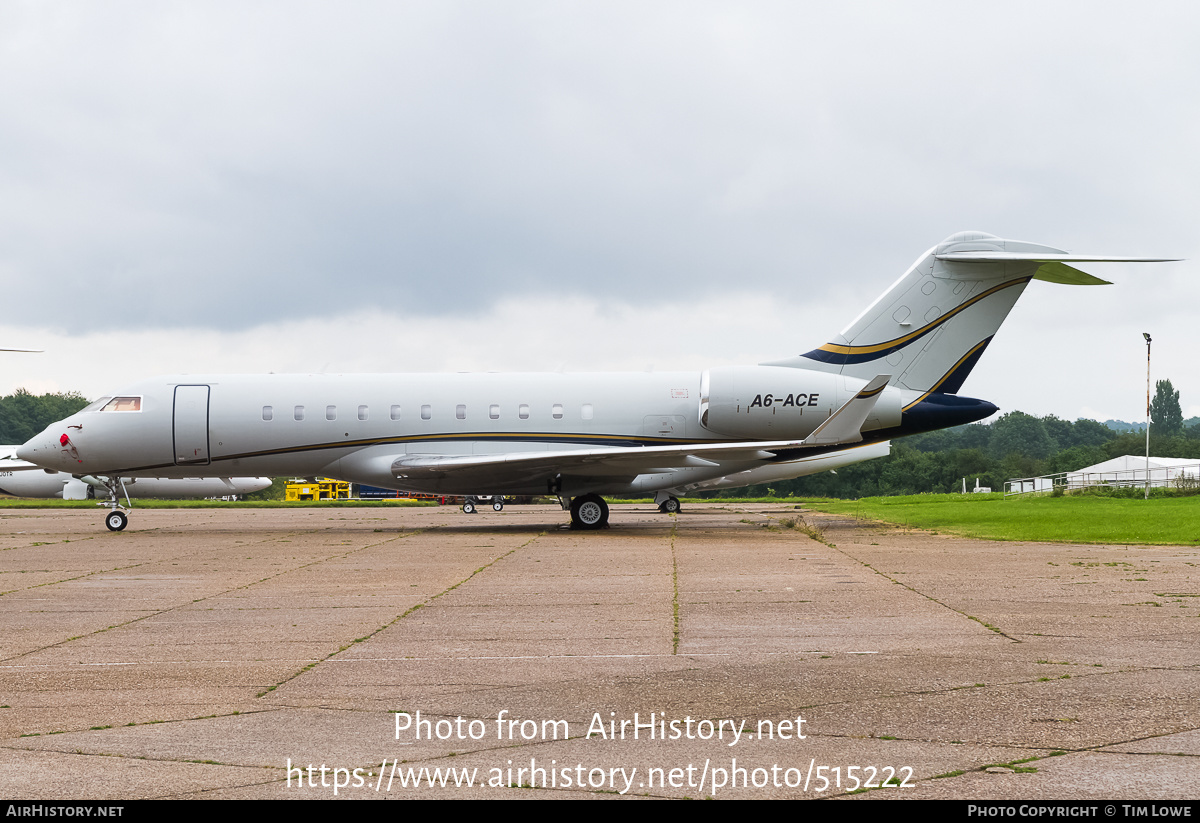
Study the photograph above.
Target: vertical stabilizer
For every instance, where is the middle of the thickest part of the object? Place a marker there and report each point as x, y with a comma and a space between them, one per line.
931, 327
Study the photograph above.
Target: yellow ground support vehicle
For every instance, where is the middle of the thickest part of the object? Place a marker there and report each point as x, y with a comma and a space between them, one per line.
322, 488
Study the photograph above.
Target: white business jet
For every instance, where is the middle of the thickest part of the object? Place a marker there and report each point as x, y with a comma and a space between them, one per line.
22, 479
895, 370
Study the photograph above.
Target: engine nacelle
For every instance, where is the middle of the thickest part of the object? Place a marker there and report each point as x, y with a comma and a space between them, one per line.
782, 403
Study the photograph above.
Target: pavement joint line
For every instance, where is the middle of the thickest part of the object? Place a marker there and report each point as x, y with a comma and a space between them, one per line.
69, 579
885, 576
7, 745
928, 597
39, 543
77, 637
424, 603
98, 571
222, 593
674, 585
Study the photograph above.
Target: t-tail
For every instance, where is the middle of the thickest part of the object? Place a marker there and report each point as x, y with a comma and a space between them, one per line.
934, 323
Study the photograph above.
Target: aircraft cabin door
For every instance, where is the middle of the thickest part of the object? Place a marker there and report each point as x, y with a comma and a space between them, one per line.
191, 425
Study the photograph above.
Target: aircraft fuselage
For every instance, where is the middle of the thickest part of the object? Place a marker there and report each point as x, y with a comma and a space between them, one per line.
355, 426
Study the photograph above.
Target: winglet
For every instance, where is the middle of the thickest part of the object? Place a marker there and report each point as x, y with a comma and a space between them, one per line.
845, 424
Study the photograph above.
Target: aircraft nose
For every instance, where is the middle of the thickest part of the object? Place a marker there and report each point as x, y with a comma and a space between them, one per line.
27, 451
35, 448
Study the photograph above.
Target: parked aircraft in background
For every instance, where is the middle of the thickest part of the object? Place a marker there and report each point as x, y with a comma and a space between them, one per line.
895, 370
22, 479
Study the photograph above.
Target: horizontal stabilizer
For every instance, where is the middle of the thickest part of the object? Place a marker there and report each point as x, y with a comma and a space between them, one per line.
1054, 268
1039, 257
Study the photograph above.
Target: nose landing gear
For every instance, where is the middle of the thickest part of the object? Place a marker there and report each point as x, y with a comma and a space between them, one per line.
117, 519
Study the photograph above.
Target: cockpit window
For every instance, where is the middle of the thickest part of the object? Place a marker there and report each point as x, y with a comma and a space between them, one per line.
123, 404
97, 405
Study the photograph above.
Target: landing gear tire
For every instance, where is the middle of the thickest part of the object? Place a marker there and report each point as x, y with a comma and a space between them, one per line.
589, 512
669, 506
497, 505
468, 507
116, 521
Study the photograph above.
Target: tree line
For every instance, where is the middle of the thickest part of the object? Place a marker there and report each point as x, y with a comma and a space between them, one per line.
22, 415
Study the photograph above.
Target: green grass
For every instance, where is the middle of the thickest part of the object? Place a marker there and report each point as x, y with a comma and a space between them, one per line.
1070, 519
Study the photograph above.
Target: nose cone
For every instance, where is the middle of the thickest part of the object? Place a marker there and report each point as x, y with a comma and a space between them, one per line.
28, 451
42, 449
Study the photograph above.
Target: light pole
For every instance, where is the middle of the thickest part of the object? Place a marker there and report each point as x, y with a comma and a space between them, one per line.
1147, 336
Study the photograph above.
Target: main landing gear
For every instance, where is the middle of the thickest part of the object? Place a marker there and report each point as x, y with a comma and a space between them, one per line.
589, 512
117, 519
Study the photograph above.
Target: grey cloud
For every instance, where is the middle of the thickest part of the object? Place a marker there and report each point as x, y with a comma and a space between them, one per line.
227, 166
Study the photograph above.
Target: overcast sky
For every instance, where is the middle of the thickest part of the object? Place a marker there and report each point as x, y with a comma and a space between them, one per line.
427, 186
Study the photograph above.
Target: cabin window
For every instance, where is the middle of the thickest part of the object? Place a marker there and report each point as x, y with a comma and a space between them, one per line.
556, 411
395, 412
268, 412
362, 413
523, 411
586, 411
123, 404
494, 411
298, 413
460, 411
426, 412
331, 412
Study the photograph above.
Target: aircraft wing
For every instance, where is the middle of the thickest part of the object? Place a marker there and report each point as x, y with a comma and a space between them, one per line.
615, 461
